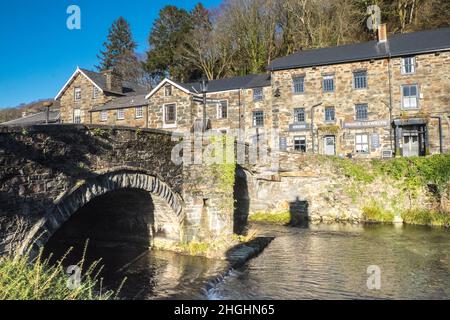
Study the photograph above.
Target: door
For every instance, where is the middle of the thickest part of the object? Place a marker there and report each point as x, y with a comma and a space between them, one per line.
410, 144
329, 145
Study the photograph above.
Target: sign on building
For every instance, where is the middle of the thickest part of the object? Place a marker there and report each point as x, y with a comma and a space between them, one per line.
366, 124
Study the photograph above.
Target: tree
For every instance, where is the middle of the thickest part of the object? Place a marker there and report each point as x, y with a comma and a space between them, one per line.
166, 38
119, 53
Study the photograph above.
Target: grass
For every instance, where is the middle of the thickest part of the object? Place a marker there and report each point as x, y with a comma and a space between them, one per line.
426, 217
21, 279
375, 213
281, 217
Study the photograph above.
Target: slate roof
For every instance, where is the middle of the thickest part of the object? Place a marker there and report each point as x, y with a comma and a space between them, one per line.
38, 118
123, 102
396, 45
128, 88
243, 82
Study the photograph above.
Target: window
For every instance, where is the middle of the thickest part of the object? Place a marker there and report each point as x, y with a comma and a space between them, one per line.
170, 114
76, 116
120, 114
104, 116
410, 96
168, 91
222, 111
408, 65
362, 143
258, 118
299, 84
139, 112
77, 94
329, 114
361, 112
95, 92
360, 79
300, 143
328, 83
257, 94
299, 115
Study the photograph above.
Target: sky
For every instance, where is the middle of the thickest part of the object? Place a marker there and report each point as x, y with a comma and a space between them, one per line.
38, 53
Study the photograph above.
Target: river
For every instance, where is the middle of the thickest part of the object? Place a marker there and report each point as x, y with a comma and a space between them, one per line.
315, 262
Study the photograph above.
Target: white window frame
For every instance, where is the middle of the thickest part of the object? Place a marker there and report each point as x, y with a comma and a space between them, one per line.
296, 115
219, 109
120, 114
404, 99
95, 92
297, 84
77, 115
356, 111
167, 88
258, 97
413, 65
300, 138
325, 78
77, 94
334, 114
170, 125
103, 115
362, 143
139, 112
255, 125
366, 79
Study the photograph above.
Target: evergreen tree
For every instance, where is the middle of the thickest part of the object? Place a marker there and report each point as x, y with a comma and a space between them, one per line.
168, 34
119, 53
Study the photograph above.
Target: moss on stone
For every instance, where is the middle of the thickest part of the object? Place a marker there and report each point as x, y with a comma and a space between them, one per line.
376, 213
281, 217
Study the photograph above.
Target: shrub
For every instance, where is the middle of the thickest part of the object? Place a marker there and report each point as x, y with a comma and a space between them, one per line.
282, 217
375, 213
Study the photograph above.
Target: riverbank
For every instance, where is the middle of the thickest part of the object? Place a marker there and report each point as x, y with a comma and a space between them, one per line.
321, 189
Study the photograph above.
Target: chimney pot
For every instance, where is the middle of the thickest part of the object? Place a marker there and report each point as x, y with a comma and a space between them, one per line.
382, 33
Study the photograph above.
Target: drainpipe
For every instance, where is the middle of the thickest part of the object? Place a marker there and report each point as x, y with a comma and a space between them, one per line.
390, 97
312, 124
441, 147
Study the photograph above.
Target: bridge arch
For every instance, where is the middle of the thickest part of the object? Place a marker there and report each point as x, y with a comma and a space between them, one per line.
167, 205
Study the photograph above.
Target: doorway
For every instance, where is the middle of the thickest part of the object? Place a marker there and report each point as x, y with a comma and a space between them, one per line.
413, 139
329, 145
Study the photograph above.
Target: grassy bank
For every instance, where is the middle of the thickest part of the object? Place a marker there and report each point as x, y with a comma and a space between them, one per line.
21, 279
282, 217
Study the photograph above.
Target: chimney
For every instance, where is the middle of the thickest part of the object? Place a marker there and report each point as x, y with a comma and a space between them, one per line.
382, 33
113, 81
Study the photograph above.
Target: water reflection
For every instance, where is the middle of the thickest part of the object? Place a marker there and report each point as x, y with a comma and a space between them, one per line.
330, 262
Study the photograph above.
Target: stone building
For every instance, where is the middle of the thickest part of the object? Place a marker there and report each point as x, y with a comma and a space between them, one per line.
375, 99
367, 99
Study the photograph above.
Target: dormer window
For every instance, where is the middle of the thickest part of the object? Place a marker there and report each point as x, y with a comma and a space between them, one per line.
168, 91
77, 94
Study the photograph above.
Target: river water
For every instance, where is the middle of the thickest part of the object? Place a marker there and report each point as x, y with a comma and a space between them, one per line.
315, 262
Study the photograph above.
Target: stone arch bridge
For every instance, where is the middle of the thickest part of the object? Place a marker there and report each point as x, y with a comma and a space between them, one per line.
110, 182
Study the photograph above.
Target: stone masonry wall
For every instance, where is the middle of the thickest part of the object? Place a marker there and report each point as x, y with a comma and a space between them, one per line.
40, 164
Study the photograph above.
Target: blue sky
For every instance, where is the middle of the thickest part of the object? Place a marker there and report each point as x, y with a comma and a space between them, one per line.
39, 53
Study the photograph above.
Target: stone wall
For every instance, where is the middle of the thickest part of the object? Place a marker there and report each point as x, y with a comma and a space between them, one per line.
129, 120
327, 192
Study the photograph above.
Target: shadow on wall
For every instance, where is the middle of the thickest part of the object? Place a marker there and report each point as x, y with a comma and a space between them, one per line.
242, 201
298, 211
